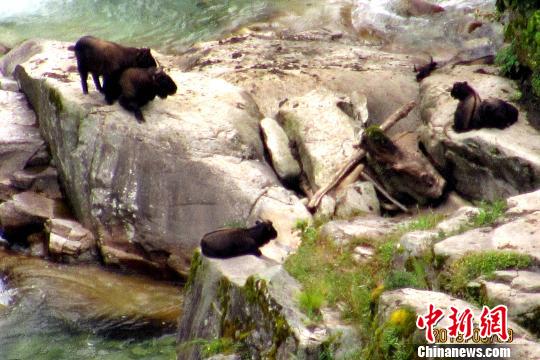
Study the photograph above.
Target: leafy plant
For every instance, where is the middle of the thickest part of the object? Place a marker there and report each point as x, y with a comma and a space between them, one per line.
489, 213
475, 264
311, 303
423, 222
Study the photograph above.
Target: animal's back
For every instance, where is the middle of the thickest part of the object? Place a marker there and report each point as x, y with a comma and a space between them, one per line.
95, 53
224, 243
138, 83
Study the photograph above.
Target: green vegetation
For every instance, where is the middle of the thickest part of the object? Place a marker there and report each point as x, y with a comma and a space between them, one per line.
523, 30
329, 272
475, 264
330, 275
423, 222
221, 345
508, 62
394, 339
489, 213
311, 303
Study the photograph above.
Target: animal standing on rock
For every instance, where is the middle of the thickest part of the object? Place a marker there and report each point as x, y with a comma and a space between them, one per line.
473, 113
227, 243
101, 57
137, 86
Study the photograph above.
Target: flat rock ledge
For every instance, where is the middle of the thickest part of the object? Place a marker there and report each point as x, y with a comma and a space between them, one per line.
252, 301
148, 192
518, 231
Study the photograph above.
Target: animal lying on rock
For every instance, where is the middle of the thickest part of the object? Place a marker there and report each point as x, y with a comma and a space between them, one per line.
425, 70
101, 57
226, 243
138, 86
474, 113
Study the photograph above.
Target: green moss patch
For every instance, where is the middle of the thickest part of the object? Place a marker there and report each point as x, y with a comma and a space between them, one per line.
476, 264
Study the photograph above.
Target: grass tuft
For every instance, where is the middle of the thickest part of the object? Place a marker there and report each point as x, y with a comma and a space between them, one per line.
476, 264
489, 213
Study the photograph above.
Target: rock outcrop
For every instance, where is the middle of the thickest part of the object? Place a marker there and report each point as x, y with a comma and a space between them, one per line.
149, 192
519, 231
254, 303
486, 164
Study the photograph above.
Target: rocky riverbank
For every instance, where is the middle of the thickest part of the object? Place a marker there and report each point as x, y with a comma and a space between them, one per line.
260, 122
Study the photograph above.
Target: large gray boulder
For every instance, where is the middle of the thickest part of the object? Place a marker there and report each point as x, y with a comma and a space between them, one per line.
148, 191
485, 164
520, 291
254, 302
275, 67
519, 231
19, 136
323, 134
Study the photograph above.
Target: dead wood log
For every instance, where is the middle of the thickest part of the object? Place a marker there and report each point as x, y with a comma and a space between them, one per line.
358, 156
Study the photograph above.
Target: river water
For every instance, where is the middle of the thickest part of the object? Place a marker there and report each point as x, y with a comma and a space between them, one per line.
170, 26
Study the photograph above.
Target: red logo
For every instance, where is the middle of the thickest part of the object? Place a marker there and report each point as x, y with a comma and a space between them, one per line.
492, 322
429, 321
462, 323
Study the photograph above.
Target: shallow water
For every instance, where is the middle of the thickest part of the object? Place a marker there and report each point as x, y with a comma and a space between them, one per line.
167, 25
52, 311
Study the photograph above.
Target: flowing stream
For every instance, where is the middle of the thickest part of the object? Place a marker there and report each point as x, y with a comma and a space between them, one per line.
30, 328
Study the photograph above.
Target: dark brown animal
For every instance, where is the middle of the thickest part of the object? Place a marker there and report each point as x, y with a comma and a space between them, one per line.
425, 70
473, 113
227, 243
137, 86
104, 58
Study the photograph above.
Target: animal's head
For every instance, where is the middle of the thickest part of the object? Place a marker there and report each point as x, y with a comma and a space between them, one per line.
165, 86
461, 90
266, 230
145, 59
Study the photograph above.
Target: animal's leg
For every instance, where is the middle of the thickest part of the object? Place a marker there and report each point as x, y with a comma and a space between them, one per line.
132, 106
97, 83
84, 78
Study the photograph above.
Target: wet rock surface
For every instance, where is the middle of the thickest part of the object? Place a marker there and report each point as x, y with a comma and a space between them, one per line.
87, 297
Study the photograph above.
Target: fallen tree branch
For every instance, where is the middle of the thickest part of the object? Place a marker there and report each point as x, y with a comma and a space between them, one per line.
383, 192
358, 156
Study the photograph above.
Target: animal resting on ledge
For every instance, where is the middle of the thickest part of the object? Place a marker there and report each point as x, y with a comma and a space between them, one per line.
474, 113
227, 243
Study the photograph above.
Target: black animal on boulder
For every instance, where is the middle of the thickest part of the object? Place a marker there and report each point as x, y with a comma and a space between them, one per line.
227, 243
137, 86
101, 57
473, 113
425, 70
